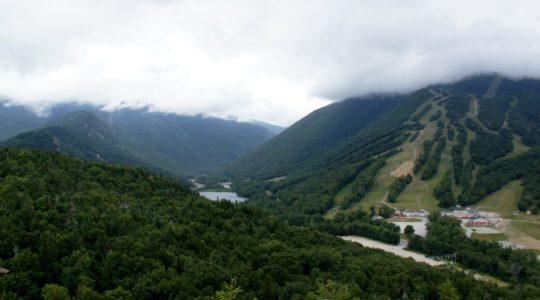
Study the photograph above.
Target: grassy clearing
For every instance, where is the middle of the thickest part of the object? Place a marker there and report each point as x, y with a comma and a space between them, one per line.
479, 275
519, 148
419, 194
503, 201
277, 179
407, 199
471, 135
528, 228
524, 233
344, 192
488, 278
384, 179
332, 213
521, 216
492, 89
398, 219
473, 107
444, 165
492, 237
340, 196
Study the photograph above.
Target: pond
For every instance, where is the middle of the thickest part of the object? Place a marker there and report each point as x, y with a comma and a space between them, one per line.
214, 196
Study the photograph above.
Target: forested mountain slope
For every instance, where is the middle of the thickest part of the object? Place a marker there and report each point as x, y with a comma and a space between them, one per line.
459, 142
16, 119
179, 145
92, 231
443, 146
187, 144
80, 134
314, 134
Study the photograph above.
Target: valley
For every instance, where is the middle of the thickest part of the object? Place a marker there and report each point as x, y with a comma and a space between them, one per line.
459, 148
269, 150
430, 181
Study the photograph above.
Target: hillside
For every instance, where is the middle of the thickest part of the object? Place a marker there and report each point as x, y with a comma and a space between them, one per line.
17, 119
443, 146
186, 144
275, 129
459, 142
94, 231
314, 134
80, 134
179, 145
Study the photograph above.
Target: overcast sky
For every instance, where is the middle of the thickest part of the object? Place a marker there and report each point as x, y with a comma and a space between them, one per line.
273, 61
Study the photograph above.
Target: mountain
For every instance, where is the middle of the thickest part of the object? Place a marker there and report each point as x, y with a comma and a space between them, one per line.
16, 119
275, 129
455, 140
189, 144
80, 134
180, 145
473, 144
314, 134
81, 229
74, 228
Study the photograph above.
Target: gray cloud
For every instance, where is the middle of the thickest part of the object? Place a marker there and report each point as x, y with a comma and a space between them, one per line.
268, 60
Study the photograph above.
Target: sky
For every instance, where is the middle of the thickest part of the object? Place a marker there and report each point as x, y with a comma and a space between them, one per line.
273, 61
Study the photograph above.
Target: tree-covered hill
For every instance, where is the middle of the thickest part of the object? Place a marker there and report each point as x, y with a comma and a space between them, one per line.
73, 228
16, 119
178, 144
456, 140
314, 134
80, 134
185, 144
308, 192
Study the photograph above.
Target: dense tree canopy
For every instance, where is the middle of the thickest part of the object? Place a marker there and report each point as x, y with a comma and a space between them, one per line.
90, 231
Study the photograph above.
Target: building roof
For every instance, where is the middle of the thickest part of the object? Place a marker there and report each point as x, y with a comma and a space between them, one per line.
481, 220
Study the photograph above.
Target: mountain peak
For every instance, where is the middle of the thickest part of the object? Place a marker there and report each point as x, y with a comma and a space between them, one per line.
85, 123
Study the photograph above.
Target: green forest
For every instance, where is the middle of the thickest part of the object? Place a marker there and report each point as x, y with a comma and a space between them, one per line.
479, 132
84, 230
75, 229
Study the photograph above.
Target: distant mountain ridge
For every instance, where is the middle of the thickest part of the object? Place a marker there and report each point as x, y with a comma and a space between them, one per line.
15, 119
80, 134
194, 143
186, 145
273, 128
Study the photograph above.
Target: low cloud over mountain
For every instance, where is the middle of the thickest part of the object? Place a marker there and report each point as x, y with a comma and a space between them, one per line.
273, 61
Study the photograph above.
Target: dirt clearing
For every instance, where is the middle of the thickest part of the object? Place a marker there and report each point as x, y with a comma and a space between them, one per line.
397, 250
404, 169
